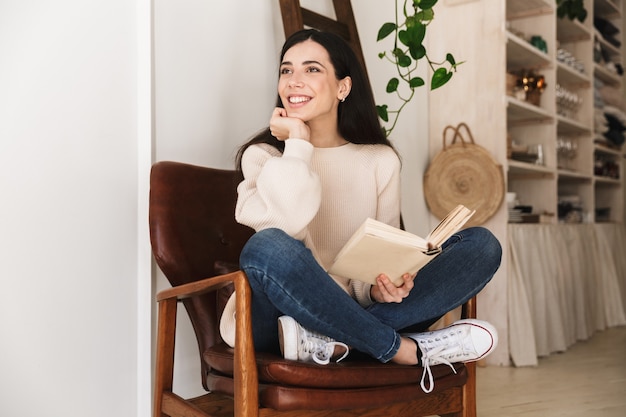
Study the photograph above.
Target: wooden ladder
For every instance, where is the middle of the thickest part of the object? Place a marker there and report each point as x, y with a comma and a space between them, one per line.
295, 18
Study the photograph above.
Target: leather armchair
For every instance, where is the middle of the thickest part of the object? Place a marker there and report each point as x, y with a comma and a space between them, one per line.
196, 243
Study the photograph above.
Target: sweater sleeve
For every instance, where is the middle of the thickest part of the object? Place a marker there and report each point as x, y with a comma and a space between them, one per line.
278, 191
388, 211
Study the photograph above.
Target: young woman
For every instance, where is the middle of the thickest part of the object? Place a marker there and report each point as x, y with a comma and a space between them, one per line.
310, 179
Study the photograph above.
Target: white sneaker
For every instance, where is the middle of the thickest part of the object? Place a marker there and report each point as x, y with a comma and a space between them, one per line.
300, 344
463, 341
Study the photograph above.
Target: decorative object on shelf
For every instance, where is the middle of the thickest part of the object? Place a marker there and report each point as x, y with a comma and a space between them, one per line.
512, 81
515, 215
525, 153
616, 121
463, 173
605, 56
514, 86
567, 102
608, 30
572, 9
539, 42
566, 57
533, 85
408, 50
603, 214
606, 166
566, 151
570, 209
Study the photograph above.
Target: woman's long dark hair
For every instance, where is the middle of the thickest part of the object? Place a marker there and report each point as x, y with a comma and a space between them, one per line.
357, 118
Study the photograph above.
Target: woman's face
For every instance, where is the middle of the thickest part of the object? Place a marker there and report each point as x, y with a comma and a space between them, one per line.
308, 86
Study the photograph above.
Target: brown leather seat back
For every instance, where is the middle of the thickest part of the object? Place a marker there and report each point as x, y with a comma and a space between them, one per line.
194, 234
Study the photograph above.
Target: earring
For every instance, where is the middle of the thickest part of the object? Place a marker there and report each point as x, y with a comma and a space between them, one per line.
343, 99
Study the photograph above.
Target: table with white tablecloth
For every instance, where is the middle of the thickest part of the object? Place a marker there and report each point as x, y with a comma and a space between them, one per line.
566, 281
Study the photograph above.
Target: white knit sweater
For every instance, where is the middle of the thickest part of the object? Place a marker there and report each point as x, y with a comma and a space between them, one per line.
320, 195
317, 195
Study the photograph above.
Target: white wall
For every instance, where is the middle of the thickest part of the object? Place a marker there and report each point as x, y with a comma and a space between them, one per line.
74, 155
215, 73
69, 208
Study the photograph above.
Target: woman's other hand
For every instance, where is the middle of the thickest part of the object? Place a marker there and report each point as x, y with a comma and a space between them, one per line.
283, 127
386, 292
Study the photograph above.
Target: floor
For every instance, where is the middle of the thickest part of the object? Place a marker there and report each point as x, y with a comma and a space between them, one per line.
589, 379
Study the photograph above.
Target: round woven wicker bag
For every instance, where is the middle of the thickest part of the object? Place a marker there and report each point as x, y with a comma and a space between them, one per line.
463, 173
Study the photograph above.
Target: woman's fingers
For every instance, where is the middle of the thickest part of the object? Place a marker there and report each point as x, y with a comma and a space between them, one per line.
389, 293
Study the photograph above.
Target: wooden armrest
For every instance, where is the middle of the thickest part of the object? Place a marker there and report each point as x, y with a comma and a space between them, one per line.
468, 310
245, 375
200, 287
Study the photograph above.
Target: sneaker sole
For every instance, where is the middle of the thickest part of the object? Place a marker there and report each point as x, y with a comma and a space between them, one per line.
483, 325
288, 330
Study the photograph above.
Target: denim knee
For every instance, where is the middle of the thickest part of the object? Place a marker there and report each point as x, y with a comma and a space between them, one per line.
488, 245
269, 246
260, 242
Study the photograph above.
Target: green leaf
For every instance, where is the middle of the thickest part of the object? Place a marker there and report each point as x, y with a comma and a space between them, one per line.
386, 30
416, 82
382, 112
425, 15
413, 38
417, 34
403, 36
397, 52
392, 85
417, 52
450, 59
426, 4
412, 21
404, 61
440, 77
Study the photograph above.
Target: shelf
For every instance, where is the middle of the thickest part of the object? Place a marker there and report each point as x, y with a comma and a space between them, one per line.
567, 75
573, 176
609, 48
516, 9
606, 76
607, 9
606, 150
607, 181
571, 31
519, 169
522, 55
567, 126
520, 112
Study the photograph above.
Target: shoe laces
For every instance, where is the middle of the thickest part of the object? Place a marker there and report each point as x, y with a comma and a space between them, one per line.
444, 349
321, 348
432, 357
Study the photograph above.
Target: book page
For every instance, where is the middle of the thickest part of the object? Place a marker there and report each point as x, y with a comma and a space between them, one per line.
450, 224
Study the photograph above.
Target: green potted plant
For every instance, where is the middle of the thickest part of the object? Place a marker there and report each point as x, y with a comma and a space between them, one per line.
572, 9
407, 52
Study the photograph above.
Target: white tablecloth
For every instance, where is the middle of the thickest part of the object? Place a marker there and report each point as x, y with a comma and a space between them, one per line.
565, 283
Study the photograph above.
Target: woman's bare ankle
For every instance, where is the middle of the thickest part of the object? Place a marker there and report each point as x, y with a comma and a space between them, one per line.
407, 353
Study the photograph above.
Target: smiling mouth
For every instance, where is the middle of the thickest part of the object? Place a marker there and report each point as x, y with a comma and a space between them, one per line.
299, 99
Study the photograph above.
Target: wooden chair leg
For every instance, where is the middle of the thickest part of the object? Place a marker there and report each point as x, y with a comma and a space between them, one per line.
469, 391
246, 376
164, 372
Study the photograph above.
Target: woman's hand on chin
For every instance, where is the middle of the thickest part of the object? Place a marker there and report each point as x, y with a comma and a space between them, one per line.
283, 127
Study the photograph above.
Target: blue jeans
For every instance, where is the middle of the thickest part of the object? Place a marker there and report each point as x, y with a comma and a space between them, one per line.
287, 280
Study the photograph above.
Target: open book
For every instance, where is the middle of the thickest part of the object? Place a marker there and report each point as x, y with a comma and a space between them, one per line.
377, 248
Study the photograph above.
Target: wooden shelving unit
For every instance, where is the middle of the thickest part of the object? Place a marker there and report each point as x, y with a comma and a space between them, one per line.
494, 38
566, 135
